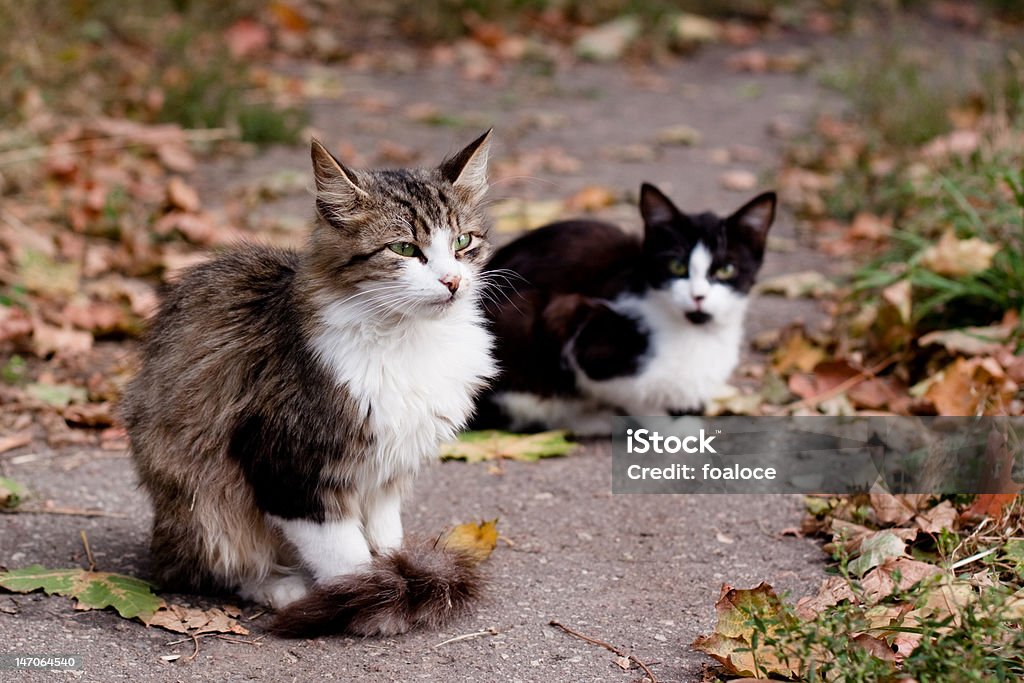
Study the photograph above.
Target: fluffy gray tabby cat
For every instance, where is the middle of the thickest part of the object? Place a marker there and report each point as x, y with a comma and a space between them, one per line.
287, 399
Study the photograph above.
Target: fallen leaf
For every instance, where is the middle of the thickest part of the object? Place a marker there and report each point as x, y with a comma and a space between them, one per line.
809, 283
12, 441
933, 521
47, 339
11, 493
875, 550
182, 195
970, 341
895, 509
517, 215
193, 620
245, 36
833, 590
57, 395
90, 414
991, 505
899, 297
868, 226
738, 180
876, 647
680, 134
732, 642
954, 257
498, 445
971, 386
608, 41
591, 198
129, 596
688, 31
476, 540
797, 352
880, 582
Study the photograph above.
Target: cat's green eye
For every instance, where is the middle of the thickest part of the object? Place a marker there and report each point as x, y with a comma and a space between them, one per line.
403, 248
726, 272
678, 266
463, 241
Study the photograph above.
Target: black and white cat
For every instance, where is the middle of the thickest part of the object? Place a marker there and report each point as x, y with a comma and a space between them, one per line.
592, 322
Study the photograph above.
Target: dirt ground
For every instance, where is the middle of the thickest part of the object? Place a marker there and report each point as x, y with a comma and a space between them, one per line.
639, 572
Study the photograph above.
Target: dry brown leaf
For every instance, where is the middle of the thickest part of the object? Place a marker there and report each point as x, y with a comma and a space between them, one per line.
731, 643
182, 195
868, 226
933, 521
47, 339
833, 590
971, 386
988, 505
797, 352
12, 441
591, 198
970, 341
738, 180
14, 324
90, 414
880, 582
899, 297
193, 620
895, 509
954, 257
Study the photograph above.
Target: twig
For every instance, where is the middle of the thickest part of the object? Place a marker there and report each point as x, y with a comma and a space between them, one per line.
195, 651
967, 560
76, 512
863, 375
610, 648
88, 550
468, 636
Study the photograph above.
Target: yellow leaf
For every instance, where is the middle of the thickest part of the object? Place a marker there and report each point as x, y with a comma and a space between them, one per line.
475, 540
955, 257
517, 215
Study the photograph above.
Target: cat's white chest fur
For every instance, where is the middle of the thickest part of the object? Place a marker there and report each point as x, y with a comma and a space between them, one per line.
686, 364
415, 380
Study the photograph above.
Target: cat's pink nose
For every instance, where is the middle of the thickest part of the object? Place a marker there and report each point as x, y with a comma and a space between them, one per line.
451, 282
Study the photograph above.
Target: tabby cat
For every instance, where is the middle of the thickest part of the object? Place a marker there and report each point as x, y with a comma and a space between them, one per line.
287, 399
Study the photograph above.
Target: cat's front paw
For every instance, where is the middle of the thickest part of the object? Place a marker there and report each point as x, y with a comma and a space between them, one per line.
277, 591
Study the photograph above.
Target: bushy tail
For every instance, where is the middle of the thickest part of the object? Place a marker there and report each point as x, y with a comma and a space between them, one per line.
422, 584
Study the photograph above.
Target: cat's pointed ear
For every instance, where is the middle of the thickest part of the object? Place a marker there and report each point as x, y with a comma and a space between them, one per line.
754, 218
331, 176
655, 207
468, 168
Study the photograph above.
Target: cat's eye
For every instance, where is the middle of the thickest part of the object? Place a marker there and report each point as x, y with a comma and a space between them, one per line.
403, 248
463, 241
678, 266
726, 272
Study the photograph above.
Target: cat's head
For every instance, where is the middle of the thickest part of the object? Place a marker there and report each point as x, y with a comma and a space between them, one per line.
702, 264
397, 242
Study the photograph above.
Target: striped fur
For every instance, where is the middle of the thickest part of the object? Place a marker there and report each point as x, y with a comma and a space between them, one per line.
286, 399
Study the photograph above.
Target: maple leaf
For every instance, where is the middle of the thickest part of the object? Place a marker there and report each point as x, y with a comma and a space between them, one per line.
737, 642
